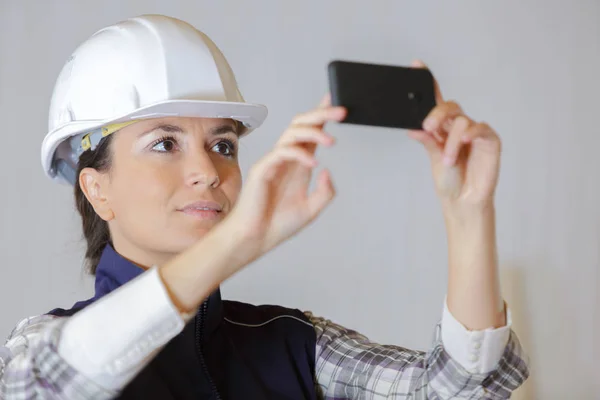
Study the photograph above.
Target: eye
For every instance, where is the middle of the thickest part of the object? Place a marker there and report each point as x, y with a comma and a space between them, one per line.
164, 145
225, 147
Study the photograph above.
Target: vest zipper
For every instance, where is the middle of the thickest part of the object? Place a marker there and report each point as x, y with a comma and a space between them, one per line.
200, 322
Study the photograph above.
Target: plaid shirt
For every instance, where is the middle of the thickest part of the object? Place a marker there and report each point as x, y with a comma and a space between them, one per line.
348, 366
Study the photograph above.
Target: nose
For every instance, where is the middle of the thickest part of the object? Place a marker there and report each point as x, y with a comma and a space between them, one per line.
201, 170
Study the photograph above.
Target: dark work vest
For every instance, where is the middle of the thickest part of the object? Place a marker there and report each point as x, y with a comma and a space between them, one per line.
228, 351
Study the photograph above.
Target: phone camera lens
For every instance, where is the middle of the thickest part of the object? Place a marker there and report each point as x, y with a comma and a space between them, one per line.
414, 96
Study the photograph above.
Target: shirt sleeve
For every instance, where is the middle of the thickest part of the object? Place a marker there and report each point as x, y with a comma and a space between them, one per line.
349, 365
32, 368
95, 353
476, 351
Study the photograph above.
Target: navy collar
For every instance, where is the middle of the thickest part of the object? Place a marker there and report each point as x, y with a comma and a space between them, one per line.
114, 271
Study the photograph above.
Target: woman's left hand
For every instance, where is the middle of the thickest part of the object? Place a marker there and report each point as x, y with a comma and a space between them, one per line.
464, 154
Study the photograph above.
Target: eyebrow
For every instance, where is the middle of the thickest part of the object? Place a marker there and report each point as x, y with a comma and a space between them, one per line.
215, 131
224, 129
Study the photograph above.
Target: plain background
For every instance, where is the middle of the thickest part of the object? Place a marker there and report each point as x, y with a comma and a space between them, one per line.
376, 260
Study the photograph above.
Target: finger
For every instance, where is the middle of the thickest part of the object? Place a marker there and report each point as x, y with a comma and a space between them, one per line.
305, 135
439, 136
480, 130
434, 148
325, 101
440, 118
319, 116
267, 167
322, 195
455, 139
436, 87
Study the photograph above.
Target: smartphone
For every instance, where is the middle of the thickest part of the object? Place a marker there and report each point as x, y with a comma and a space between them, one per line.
381, 95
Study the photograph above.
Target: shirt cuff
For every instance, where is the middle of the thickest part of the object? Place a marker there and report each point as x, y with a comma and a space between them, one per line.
479, 352
114, 338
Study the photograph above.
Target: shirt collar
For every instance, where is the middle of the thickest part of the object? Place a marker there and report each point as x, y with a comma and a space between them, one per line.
113, 270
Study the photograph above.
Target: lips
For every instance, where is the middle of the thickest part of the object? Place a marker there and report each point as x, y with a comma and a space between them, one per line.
203, 209
203, 206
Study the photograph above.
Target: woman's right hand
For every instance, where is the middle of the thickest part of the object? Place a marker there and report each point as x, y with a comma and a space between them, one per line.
274, 205
275, 202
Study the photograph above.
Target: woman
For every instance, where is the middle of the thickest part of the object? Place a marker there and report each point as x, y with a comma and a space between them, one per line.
145, 122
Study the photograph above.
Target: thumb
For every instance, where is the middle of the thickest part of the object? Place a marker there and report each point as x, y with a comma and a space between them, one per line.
322, 195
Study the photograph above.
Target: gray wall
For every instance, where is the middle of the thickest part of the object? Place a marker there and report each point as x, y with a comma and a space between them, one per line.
376, 260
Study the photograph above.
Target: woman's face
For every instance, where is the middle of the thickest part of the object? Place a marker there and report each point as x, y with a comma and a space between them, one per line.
171, 180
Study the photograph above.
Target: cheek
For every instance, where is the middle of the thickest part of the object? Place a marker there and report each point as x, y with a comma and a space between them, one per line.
231, 184
141, 189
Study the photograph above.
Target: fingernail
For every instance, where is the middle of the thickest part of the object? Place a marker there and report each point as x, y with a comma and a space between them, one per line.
448, 161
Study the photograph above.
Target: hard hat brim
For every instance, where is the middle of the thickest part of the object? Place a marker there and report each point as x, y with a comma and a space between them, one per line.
251, 115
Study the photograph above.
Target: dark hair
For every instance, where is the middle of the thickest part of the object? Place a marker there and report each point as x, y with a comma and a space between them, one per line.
95, 229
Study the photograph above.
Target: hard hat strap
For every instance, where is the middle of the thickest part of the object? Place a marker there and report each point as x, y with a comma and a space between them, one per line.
90, 140
67, 158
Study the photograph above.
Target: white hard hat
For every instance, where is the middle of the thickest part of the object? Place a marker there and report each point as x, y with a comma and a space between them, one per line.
150, 66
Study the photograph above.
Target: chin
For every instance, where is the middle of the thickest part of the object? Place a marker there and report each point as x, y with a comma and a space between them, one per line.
180, 238
188, 239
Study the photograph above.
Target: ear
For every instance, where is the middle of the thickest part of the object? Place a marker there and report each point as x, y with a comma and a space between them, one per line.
94, 185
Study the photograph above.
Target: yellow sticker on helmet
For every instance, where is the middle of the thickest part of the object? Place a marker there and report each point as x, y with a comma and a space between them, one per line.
110, 129
86, 142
